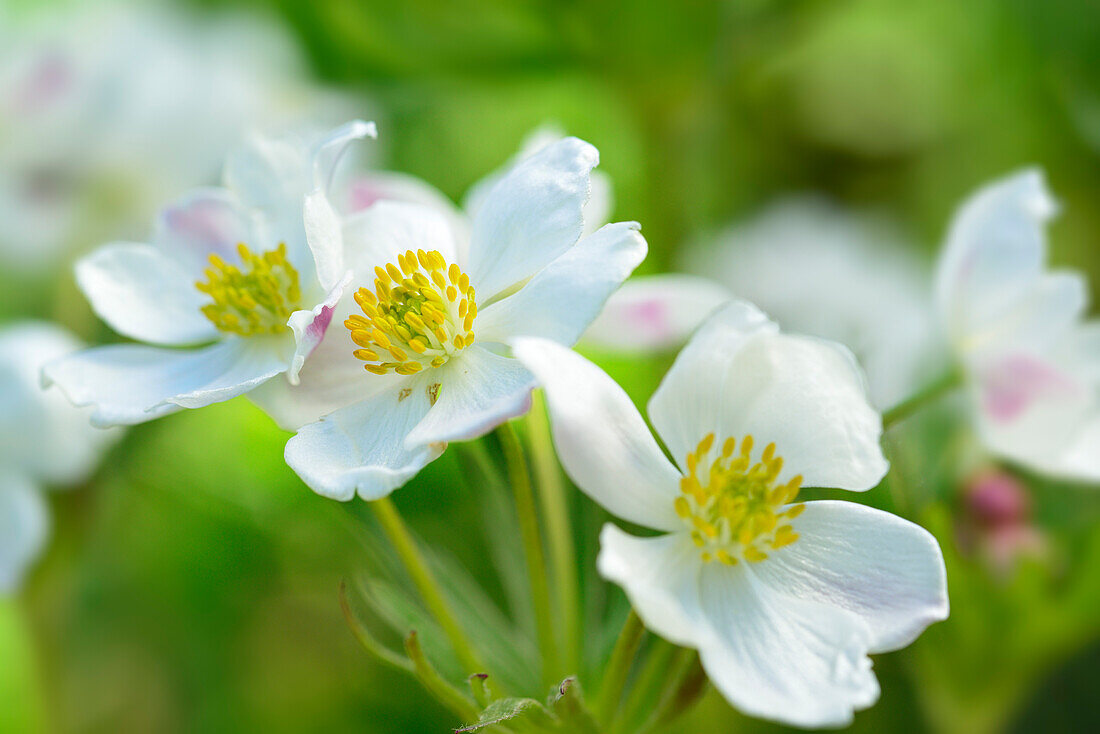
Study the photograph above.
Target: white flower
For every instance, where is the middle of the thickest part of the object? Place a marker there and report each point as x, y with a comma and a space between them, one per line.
431, 318
107, 110
362, 189
817, 269
1031, 360
43, 441
229, 268
783, 600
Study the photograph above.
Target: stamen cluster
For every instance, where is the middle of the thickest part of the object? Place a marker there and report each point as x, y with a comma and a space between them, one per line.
421, 311
736, 508
256, 298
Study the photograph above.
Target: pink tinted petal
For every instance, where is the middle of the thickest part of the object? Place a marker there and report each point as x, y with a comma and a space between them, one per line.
208, 221
309, 328
1015, 383
47, 81
362, 193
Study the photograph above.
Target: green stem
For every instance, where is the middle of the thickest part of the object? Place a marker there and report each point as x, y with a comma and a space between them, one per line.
417, 567
366, 639
434, 683
614, 678
555, 508
650, 683
520, 479
684, 685
929, 394
476, 453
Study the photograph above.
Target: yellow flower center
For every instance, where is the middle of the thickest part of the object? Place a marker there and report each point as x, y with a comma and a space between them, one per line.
734, 507
256, 298
421, 312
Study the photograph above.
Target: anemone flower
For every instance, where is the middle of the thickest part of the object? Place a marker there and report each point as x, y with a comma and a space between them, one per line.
784, 600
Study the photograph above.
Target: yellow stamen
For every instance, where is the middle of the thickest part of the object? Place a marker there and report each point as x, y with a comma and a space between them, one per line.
420, 314
734, 507
256, 297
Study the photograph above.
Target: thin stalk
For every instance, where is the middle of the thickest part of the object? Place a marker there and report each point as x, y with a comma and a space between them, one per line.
476, 453
555, 508
520, 480
649, 683
366, 639
614, 678
417, 567
929, 394
434, 683
685, 685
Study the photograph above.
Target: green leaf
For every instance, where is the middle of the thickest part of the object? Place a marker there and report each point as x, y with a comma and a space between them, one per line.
512, 710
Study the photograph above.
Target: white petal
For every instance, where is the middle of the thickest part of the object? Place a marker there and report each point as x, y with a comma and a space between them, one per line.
203, 223
478, 391
995, 251
145, 295
41, 434
322, 225
686, 406
782, 657
565, 296
269, 173
271, 176
601, 439
654, 313
600, 201
365, 189
878, 566
378, 234
1030, 409
129, 384
331, 148
310, 327
779, 657
1037, 319
531, 216
739, 377
660, 576
24, 527
361, 448
324, 237
1081, 459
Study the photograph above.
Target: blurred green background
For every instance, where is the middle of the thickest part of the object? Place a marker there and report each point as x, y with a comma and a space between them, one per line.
191, 585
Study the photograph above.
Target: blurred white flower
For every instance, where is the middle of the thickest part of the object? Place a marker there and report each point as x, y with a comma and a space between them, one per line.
1031, 360
432, 330
654, 313
44, 441
230, 268
816, 269
783, 600
106, 111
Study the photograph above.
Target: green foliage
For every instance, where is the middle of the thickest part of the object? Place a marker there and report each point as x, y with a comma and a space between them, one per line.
192, 584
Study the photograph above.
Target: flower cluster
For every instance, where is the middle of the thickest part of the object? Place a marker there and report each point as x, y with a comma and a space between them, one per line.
379, 323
